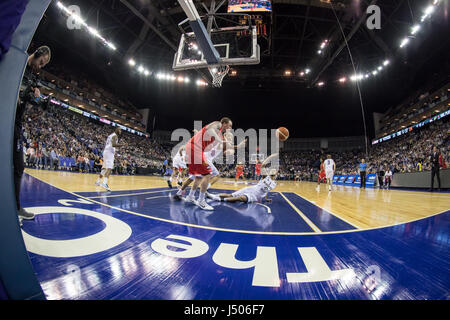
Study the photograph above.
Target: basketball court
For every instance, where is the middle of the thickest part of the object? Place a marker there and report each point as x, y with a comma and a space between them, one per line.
348, 244
137, 242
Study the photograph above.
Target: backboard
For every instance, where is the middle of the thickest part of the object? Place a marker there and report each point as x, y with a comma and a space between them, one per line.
235, 46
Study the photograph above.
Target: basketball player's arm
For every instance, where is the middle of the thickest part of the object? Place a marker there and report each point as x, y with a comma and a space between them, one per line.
242, 144
269, 159
115, 144
229, 145
181, 150
212, 129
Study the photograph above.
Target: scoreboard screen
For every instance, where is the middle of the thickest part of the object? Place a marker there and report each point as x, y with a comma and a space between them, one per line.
249, 6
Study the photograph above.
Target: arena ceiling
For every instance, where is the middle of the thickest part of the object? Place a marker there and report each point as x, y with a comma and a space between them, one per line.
148, 31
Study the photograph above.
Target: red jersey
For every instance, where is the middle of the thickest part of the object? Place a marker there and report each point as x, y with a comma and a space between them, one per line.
201, 140
258, 168
195, 148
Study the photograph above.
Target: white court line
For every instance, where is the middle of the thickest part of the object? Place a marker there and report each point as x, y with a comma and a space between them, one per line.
157, 197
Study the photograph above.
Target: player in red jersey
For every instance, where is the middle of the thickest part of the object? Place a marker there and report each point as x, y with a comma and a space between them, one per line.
197, 161
257, 170
322, 175
239, 171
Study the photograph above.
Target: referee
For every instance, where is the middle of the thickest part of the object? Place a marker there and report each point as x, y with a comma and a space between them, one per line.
362, 172
435, 167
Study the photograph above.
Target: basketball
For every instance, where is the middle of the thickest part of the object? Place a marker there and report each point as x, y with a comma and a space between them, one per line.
282, 133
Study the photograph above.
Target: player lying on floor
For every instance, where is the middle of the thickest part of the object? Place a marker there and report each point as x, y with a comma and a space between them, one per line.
256, 193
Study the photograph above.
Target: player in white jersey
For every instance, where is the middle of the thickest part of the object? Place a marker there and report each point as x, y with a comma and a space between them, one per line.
330, 168
252, 194
108, 158
178, 167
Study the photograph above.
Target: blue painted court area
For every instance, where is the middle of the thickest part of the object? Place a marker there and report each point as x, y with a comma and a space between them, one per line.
277, 216
140, 244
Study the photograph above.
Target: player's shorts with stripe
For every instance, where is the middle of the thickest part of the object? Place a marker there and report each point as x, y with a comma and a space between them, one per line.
197, 162
249, 192
108, 160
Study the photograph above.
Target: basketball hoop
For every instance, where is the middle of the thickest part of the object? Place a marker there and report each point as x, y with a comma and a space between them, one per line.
218, 73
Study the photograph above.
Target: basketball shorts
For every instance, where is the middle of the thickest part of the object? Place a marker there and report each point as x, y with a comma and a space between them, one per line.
329, 174
250, 192
322, 175
197, 162
108, 160
178, 163
214, 171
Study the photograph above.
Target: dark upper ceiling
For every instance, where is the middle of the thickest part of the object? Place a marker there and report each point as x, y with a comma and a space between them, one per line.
148, 31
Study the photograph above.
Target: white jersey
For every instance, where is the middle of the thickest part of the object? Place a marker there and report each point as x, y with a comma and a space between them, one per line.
214, 152
108, 147
258, 192
179, 160
328, 165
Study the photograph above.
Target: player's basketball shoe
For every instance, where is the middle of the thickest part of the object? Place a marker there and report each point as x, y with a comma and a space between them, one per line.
204, 205
179, 195
104, 185
213, 196
25, 214
190, 200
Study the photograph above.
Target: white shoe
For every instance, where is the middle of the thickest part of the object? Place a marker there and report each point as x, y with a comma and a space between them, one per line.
213, 196
204, 205
104, 185
190, 200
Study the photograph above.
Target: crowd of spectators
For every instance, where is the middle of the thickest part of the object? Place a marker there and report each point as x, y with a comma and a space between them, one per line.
407, 153
52, 134
84, 88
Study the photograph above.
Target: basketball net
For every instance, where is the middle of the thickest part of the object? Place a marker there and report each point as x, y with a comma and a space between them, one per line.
218, 73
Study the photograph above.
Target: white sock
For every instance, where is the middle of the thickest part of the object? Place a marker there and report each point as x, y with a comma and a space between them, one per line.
98, 180
105, 181
192, 193
201, 197
214, 197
